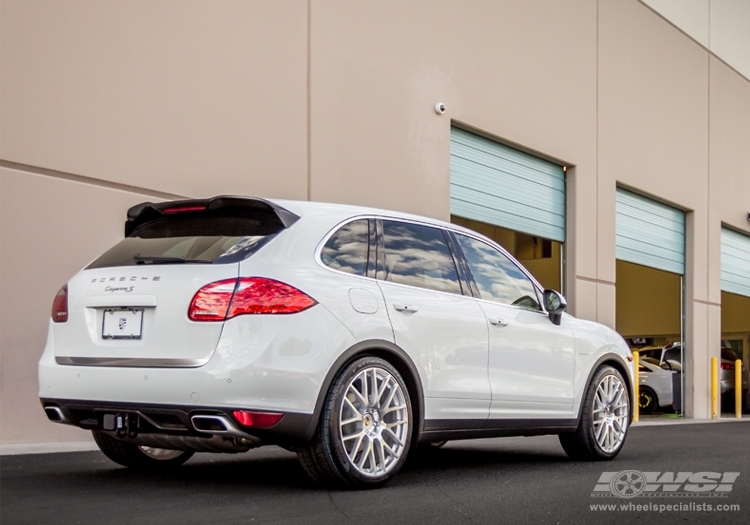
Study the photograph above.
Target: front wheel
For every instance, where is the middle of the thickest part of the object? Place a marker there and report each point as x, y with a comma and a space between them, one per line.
134, 456
605, 419
365, 427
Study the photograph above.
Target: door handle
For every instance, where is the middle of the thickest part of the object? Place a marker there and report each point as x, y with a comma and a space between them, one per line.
405, 307
499, 322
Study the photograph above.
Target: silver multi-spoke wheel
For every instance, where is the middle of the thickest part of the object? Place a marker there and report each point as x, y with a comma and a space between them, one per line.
374, 422
605, 417
610, 413
365, 428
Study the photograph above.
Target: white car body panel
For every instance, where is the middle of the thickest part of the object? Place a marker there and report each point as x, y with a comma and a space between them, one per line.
594, 342
447, 339
531, 363
163, 291
658, 380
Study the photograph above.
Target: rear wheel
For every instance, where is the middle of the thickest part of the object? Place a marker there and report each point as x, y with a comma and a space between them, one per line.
647, 400
605, 419
134, 456
365, 427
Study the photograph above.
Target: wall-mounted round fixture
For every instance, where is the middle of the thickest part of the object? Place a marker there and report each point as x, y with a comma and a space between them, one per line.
439, 108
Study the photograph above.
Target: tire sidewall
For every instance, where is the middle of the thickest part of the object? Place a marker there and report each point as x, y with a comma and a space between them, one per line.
332, 418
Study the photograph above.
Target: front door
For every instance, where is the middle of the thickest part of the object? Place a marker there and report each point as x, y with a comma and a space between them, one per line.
531, 360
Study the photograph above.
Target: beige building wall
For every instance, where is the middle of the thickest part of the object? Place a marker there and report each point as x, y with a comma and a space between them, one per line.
721, 26
103, 105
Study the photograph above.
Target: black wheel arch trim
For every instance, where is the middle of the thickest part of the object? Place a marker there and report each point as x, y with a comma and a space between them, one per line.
378, 348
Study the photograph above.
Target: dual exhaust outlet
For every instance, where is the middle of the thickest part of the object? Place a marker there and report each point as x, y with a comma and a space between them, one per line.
209, 423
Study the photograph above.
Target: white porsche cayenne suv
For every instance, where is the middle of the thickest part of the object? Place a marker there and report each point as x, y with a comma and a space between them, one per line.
349, 335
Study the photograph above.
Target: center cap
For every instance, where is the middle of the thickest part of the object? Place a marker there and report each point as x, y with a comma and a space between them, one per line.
367, 420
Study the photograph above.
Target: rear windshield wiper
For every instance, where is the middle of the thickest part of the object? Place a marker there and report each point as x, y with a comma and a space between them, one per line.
161, 259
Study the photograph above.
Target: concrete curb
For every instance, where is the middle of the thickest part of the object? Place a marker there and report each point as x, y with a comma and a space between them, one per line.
47, 448
664, 421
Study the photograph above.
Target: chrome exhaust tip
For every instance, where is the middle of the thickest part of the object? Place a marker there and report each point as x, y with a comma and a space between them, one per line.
216, 424
55, 414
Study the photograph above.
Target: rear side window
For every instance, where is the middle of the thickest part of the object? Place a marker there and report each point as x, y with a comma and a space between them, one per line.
347, 249
222, 236
419, 256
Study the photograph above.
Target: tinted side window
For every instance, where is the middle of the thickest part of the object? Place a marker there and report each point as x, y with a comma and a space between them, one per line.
346, 250
419, 256
498, 278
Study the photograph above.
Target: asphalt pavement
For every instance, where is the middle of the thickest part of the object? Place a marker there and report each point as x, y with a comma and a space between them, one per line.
505, 480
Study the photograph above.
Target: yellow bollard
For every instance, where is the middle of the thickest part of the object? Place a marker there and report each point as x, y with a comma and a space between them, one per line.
636, 410
738, 389
714, 388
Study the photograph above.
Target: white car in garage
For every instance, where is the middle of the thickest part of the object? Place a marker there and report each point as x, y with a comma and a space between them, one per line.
346, 334
655, 384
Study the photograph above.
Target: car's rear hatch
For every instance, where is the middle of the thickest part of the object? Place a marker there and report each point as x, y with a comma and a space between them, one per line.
130, 306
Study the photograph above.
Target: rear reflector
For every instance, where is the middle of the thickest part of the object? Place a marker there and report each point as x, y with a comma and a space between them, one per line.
229, 298
257, 419
60, 306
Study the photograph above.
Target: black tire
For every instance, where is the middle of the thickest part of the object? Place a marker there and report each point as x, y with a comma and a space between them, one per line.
583, 444
647, 400
133, 456
326, 459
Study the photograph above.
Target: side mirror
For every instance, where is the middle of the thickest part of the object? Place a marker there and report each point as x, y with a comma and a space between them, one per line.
555, 305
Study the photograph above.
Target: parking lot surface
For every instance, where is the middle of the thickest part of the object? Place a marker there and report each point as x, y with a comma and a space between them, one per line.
505, 480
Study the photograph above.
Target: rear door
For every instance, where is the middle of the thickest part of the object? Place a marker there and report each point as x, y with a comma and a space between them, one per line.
442, 330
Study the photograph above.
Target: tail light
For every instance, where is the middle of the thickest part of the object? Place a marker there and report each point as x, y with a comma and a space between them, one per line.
257, 419
727, 366
229, 298
60, 306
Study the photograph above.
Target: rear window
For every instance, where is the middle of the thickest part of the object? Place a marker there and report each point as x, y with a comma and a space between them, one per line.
728, 354
207, 237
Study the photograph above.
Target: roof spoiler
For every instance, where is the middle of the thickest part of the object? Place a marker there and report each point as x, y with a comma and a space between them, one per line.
239, 206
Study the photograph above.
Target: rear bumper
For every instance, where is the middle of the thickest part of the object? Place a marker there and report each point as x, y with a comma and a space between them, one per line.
154, 421
728, 384
263, 363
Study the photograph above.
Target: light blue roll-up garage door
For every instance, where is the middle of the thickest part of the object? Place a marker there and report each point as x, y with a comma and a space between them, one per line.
649, 233
499, 185
735, 262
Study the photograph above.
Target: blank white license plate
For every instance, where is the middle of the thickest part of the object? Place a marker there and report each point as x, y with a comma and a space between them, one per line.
122, 324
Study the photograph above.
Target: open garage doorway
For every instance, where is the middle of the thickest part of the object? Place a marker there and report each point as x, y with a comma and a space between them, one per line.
735, 344
649, 317
512, 197
735, 316
650, 250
